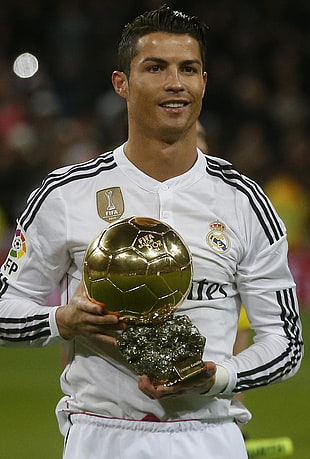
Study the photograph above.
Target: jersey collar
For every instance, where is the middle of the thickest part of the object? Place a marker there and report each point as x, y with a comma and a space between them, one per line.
148, 183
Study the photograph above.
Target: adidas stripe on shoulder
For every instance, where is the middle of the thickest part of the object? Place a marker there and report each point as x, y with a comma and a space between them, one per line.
62, 177
257, 198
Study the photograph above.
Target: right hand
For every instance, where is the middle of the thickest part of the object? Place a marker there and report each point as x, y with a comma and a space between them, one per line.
198, 384
82, 317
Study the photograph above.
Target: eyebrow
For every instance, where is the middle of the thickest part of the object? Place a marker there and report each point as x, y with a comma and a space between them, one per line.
159, 60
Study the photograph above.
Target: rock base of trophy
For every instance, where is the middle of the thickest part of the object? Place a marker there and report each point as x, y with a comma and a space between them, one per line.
168, 352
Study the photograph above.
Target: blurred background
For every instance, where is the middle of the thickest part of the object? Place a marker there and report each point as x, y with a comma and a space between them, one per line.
256, 114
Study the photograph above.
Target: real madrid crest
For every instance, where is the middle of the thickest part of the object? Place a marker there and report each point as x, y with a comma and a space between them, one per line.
217, 239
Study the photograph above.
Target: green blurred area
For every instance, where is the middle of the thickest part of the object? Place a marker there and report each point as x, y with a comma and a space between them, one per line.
29, 391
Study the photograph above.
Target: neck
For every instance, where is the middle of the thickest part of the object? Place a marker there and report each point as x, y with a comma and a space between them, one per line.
160, 159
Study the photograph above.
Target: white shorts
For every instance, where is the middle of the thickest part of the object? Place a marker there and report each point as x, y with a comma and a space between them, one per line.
92, 437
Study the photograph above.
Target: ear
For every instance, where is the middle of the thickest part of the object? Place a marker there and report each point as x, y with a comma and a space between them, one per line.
120, 83
205, 79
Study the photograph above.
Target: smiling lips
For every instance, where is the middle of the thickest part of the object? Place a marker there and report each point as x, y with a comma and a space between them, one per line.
174, 106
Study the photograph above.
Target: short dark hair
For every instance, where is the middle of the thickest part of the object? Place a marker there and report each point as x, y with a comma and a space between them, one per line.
163, 19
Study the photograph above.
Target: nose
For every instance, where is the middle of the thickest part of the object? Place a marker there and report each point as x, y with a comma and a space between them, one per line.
173, 81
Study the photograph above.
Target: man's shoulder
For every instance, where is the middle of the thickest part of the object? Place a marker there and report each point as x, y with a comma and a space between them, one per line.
70, 176
227, 173
216, 162
96, 163
72, 183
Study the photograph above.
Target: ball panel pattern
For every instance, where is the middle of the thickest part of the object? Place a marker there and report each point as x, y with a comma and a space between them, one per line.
137, 267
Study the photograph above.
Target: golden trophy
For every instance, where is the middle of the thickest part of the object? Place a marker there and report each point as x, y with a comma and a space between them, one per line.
141, 269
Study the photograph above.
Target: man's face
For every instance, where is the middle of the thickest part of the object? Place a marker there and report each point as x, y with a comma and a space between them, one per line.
166, 85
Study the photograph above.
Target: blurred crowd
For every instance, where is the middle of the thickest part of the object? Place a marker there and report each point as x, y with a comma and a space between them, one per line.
256, 112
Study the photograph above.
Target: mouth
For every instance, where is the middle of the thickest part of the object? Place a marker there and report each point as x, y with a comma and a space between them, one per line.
174, 105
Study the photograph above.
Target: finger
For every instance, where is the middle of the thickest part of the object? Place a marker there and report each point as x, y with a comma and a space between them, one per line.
108, 322
146, 386
80, 288
91, 308
108, 339
103, 333
209, 369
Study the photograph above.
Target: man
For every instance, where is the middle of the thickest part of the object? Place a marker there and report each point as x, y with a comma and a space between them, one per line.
239, 255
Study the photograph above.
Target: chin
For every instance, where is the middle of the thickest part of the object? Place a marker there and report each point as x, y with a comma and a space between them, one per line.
176, 130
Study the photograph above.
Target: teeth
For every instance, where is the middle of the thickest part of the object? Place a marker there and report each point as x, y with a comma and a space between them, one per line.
174, 105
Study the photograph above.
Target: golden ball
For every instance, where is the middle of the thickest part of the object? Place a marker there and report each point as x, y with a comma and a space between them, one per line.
139, 268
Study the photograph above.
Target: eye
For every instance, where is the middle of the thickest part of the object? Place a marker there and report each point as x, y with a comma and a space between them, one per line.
154, 68
189, 69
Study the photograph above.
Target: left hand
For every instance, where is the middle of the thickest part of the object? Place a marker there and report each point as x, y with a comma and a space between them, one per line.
197, 384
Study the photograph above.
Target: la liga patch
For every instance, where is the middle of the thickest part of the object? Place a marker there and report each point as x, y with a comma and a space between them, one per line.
17, 255
19, 246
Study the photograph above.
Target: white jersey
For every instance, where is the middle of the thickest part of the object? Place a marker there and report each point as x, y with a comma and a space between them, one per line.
239, 253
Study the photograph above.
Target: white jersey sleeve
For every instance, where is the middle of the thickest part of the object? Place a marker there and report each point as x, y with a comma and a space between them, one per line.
47, 251
36, 263
266, 289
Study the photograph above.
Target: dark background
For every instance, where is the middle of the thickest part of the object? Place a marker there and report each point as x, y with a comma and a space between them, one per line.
256, 109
